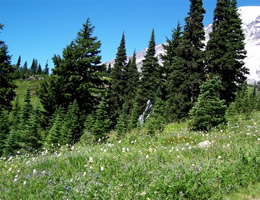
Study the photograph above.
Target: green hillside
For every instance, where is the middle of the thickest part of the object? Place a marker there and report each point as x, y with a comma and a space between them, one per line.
23, 85
168, 165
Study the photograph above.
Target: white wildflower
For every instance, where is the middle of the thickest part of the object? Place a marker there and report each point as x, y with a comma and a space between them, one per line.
119, 141
219, 157
91, 160
84, 174
123, 150
34, 171
15, 180
102, 168
24, 183
147, 156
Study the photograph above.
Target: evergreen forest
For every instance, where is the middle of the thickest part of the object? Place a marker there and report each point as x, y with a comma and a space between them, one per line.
84, 101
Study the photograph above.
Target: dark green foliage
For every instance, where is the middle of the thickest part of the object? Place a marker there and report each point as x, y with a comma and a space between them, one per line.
156, 120
134, 115
119, 78
226, 49
34, 66
122, 122
71, 128
100, 128
209, 110
246, 101
28, 131
4, 130
46, 69
54, 135
7, 93
187, 71
132, 84
168, 59
76, 76
150, 77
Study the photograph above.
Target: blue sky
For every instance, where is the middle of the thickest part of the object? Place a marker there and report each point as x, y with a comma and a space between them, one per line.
41, 28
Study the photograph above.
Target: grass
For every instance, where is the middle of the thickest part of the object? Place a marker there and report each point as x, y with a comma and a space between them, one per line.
23, 85
167, 165
252, 192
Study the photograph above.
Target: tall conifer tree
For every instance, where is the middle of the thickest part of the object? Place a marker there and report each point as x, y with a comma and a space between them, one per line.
188, 68
150, 77
226, 49
7, 93
119, 79
77, 75
168, 59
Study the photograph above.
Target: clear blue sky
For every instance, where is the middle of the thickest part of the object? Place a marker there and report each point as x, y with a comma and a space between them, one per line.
41, 28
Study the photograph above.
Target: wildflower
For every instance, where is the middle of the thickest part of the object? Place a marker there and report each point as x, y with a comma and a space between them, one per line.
24, 183
15, 180
219, 157
119, 141
178, 156
147, 156
34, 171
258, 139
102, 168
72, 148
123, 150
91, 160
10, 169
84, 174
143, 193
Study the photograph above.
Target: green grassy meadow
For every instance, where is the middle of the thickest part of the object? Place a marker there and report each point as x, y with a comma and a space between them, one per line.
167, 165
22, 86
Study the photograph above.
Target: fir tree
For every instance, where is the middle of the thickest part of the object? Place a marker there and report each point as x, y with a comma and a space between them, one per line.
77, 75
119, 79
132, 83
71, 129
226, 49
46, 69
100, 128
7, 93
122, 122
34, 66
168, 59
209, 110
39, 69
150, 77
187, 73
54, 135
4, 130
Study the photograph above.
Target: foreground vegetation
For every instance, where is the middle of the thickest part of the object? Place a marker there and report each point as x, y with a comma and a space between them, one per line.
168, 165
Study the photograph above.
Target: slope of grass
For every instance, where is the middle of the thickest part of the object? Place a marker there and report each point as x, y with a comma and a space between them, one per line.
23, 85
167, 165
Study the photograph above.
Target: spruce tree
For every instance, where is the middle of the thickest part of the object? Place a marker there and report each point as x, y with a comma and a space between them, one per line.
187, 73
77, 75
71, 129
150, 77
54, 135
168, 59
7, 92
209, 110
119, 79
225, 50
132, 84
4, 130
46, 69
100, 128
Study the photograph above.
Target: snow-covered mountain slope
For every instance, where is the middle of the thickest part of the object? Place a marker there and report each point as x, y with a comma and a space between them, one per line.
250, 16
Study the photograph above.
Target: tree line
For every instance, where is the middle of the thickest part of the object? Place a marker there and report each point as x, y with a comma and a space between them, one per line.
83, 99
